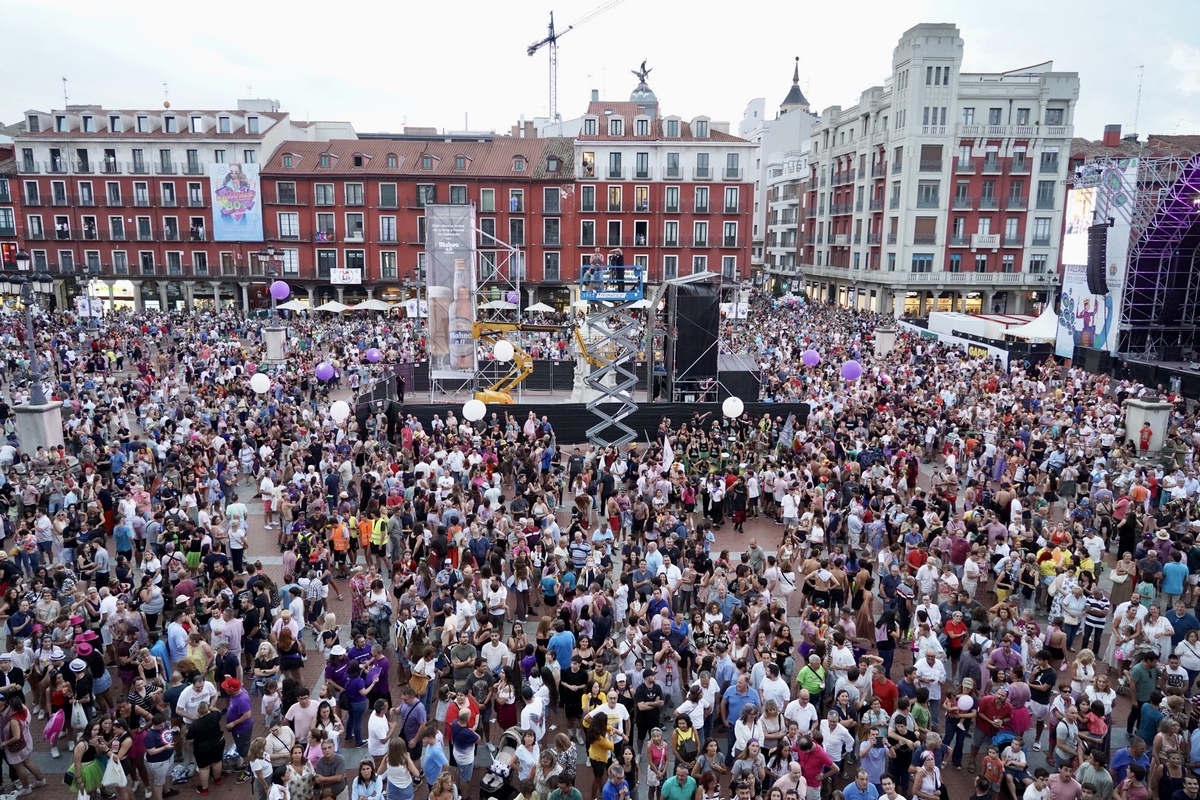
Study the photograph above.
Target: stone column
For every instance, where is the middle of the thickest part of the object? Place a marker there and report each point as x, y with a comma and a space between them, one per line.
189, 296
139, 303
987, 302
112, 296
341, 294
245, 287
370, 292
312, 296
162, 295
215, 286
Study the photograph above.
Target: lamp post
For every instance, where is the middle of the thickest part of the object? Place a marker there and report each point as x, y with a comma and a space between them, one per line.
269, 258
31, 288
274, 334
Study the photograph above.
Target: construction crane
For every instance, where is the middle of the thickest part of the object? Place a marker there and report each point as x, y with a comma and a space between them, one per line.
551, 40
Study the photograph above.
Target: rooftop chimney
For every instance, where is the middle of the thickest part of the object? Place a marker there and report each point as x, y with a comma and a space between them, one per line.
595, 95
1112, 135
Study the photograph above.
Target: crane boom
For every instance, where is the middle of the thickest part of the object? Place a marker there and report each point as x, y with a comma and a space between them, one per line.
550, 42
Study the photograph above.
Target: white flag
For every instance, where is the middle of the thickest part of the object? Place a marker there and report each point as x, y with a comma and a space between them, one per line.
668, 453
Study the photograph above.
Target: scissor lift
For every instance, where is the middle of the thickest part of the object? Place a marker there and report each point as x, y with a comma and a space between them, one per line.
613, 291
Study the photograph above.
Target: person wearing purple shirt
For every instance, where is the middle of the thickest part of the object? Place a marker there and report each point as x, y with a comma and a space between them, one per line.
377, 671
356, 701
238, 716
412, 720
360, 651
337, 669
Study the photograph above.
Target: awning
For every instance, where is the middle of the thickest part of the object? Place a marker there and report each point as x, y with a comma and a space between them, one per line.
1042, 329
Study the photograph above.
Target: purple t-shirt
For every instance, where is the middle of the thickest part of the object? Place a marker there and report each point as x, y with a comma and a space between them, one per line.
239, 704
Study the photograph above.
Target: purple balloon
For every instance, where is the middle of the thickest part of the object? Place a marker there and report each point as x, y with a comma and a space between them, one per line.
280, 290
811, 358
852, 370
374, 356
513, 298
325, 371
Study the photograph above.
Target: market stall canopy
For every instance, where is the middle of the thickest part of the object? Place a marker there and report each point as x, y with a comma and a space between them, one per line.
294, 305
332, 305
371, 305
1042, 329
539, 308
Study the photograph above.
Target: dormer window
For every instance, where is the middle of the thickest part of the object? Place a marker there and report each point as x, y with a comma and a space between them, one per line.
552, 164
393, 161
426, 162
224, 125
590, 126
60, 124
169, 125
89, 125
35, 123
641, 127
114, 124
287, 162
519, 164
672, 129
358, 160
197, 124
251, 124
326, 160
460, 163
701, 129
616, 127
143, 124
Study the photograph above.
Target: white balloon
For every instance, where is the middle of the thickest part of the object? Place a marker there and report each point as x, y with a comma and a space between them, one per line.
339, 410
733, 406
260, 383
965, 703
474, 410
503, 351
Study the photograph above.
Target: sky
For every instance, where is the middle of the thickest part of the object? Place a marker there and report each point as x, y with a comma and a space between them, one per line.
463, 64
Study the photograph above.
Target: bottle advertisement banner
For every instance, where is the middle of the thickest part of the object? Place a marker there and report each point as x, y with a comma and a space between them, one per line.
450, 289
236, 203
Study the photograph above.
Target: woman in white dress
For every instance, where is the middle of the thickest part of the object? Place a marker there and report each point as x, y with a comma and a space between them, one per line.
1157, 632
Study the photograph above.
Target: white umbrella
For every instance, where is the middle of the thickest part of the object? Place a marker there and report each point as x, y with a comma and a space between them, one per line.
643, 303
499, 305
294, 305
371, 305
541, 308
332, 305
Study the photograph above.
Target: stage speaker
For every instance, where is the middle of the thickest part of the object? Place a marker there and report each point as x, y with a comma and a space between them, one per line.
697, 316
1097, 259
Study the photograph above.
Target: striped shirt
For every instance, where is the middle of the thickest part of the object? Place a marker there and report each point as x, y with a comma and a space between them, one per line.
1096, 615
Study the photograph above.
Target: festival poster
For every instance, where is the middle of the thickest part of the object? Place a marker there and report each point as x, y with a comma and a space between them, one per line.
236, 202
1084, 319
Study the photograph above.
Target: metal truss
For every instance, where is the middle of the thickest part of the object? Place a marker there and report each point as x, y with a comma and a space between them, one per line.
613, 379
1159, 315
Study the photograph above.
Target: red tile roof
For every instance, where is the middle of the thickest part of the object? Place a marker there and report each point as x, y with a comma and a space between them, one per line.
492, 158
629, 111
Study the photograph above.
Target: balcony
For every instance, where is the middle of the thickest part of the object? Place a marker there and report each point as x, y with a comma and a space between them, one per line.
858, 206
1048, 167
83, 167
931, 165
702, 174
698, 242
732, 174
891, 238
810, 212
1019, 166
145, 235
959, 240
197, 236
933, 130
193, 168
616, 208
985, 241
992, 166
167, 201
35, 235
673, 174
170, 235
925, 238
894, 203
733, 209
897, 167
989, 203
928, 201
8, 231
614, 173
858, 238
730, 241
671, 241
1016, 204
552, 241
388, 238
165, 168
56, 167
963, 203
327, 236
90, 235
701, 209
30, 167
32, 200
1040, 241
139, 168
642, 174
1014, 241
196, 202
355, 237
1057, 131
965, 167
60, 200
143, 202
88, 201
1045, 202
879, 170
873, 239
876, 204
841, 240
114, 236
810, 239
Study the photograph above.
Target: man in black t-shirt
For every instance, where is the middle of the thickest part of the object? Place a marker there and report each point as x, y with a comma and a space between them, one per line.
649, 700
1042, 681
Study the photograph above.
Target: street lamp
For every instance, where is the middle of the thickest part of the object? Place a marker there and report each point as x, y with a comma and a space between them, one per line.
31, 287
274, 334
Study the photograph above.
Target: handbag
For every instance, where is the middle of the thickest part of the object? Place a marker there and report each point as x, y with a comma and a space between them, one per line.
114, 774
79, 719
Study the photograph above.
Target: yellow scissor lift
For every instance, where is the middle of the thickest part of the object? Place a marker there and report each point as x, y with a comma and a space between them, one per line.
521, 366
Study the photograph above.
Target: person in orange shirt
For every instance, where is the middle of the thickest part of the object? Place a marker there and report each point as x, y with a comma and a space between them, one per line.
1139, 494
339, 537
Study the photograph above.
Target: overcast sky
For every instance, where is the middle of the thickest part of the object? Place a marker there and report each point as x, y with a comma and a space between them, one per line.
455, 63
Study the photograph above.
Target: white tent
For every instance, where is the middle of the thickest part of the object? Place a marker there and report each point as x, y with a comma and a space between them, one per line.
332, 305
499, 305
1042, 329
540, 308
371, 305
294, 305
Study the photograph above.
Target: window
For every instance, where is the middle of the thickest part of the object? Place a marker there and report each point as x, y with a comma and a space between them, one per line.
323, 194
701, 129
326, 161
642, 166
460, 163
673, 170
112, 193
1037, 263
929, 75
981, 262
671, 200
387, 265
516, 232
672, 129
393, 162
249, 157
729, 235
325, 229
551, 270
358, 160
1022, 116
426, 162
968, 116
553, 164
587, 233
170, 125
1048, 163
1054, 116
143, 124
927, 194
252, 125
1011, 228
356, 259
326, 262
114, 124
670, 267
956, 262
699, 234
551, 200
289, 225
995, 115
285, 192
614, 166
518, 164
224, 125
388, 197
588, 165
614, 198
487, 227
1008, 263
487, 200
1045, 194
732, 172
922, 262
1041, 231
731, 200
197, 124
641, 199
387, 229
426, 195
516, 201
729, 266
641, 126
458, 195
354, 226
702, 166
891, 262
33, 227
219, 156
616, 127
671, 234
551, 236
587, 198
590, 126
699, 264
701, 200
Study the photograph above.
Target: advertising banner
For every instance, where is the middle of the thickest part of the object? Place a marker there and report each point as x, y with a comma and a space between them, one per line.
450, 282
236, 202
345, 277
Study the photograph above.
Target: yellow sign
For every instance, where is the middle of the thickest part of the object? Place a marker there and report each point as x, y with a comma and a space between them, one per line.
975, 351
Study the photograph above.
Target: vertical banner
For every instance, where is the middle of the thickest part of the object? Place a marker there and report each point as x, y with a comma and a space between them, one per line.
236, 202
450, 289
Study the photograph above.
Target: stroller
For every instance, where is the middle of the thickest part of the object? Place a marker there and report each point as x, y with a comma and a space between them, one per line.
495, 784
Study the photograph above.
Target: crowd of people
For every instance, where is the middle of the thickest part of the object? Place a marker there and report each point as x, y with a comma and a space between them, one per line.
944, 565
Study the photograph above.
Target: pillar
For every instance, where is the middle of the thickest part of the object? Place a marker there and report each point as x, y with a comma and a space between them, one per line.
341, 294
139, 303
112, 296
162, 295
189, 296
370, 292
987, 302
312, 296
245, 287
